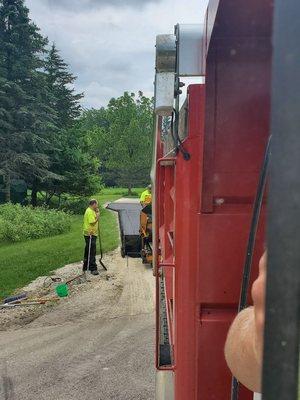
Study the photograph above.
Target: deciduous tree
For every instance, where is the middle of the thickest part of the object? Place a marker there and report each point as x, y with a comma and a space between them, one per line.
129, 138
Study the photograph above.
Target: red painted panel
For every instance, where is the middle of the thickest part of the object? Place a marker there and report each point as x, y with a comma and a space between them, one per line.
208, 251
187, 183
209, 255
244, 18
205, 203
223, 239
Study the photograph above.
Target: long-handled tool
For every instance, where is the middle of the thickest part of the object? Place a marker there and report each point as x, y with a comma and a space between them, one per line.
75, 278
15, 298
62, 290
28, 302
101, 250
9, 305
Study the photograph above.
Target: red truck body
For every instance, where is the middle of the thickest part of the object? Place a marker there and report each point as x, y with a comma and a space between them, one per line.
203, 206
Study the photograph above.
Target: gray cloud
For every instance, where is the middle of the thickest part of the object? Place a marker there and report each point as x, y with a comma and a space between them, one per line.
117, 66
76, 5
110, 48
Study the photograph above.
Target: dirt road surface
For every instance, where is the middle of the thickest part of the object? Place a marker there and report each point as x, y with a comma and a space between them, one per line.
98, 344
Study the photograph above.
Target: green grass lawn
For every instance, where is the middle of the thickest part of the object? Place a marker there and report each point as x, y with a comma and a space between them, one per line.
20, 263
120, 192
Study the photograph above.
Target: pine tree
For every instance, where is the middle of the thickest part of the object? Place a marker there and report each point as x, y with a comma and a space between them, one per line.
60, 84
27, 120
67, 157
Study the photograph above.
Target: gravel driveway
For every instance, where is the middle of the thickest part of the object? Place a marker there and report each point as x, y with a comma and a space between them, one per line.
97, 344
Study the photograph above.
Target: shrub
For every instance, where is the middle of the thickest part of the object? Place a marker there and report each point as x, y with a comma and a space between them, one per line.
19, 223
76, 205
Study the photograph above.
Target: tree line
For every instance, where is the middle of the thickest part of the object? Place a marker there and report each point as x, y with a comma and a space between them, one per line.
122, 136
46, 138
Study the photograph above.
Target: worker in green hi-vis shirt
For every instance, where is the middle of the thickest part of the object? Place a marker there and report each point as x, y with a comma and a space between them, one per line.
146, 197
90, 232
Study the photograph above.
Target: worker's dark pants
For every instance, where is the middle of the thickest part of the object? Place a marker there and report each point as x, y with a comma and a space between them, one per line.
90, 247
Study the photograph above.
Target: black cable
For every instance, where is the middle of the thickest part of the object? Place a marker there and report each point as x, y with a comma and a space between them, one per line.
178, 143
251, 244
254, 225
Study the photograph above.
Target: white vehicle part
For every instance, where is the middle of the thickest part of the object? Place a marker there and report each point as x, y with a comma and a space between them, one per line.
178, 55
165, 53
164, 93
190, 49
164, 385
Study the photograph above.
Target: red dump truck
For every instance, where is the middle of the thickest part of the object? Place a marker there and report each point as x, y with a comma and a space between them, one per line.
209, 177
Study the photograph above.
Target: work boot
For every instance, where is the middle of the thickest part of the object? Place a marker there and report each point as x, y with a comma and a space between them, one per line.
95, 272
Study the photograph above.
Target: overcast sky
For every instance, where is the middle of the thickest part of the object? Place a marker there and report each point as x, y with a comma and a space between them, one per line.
109, 44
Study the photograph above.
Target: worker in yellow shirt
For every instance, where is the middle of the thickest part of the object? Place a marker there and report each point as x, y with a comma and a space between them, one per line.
146, 197
90, 232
